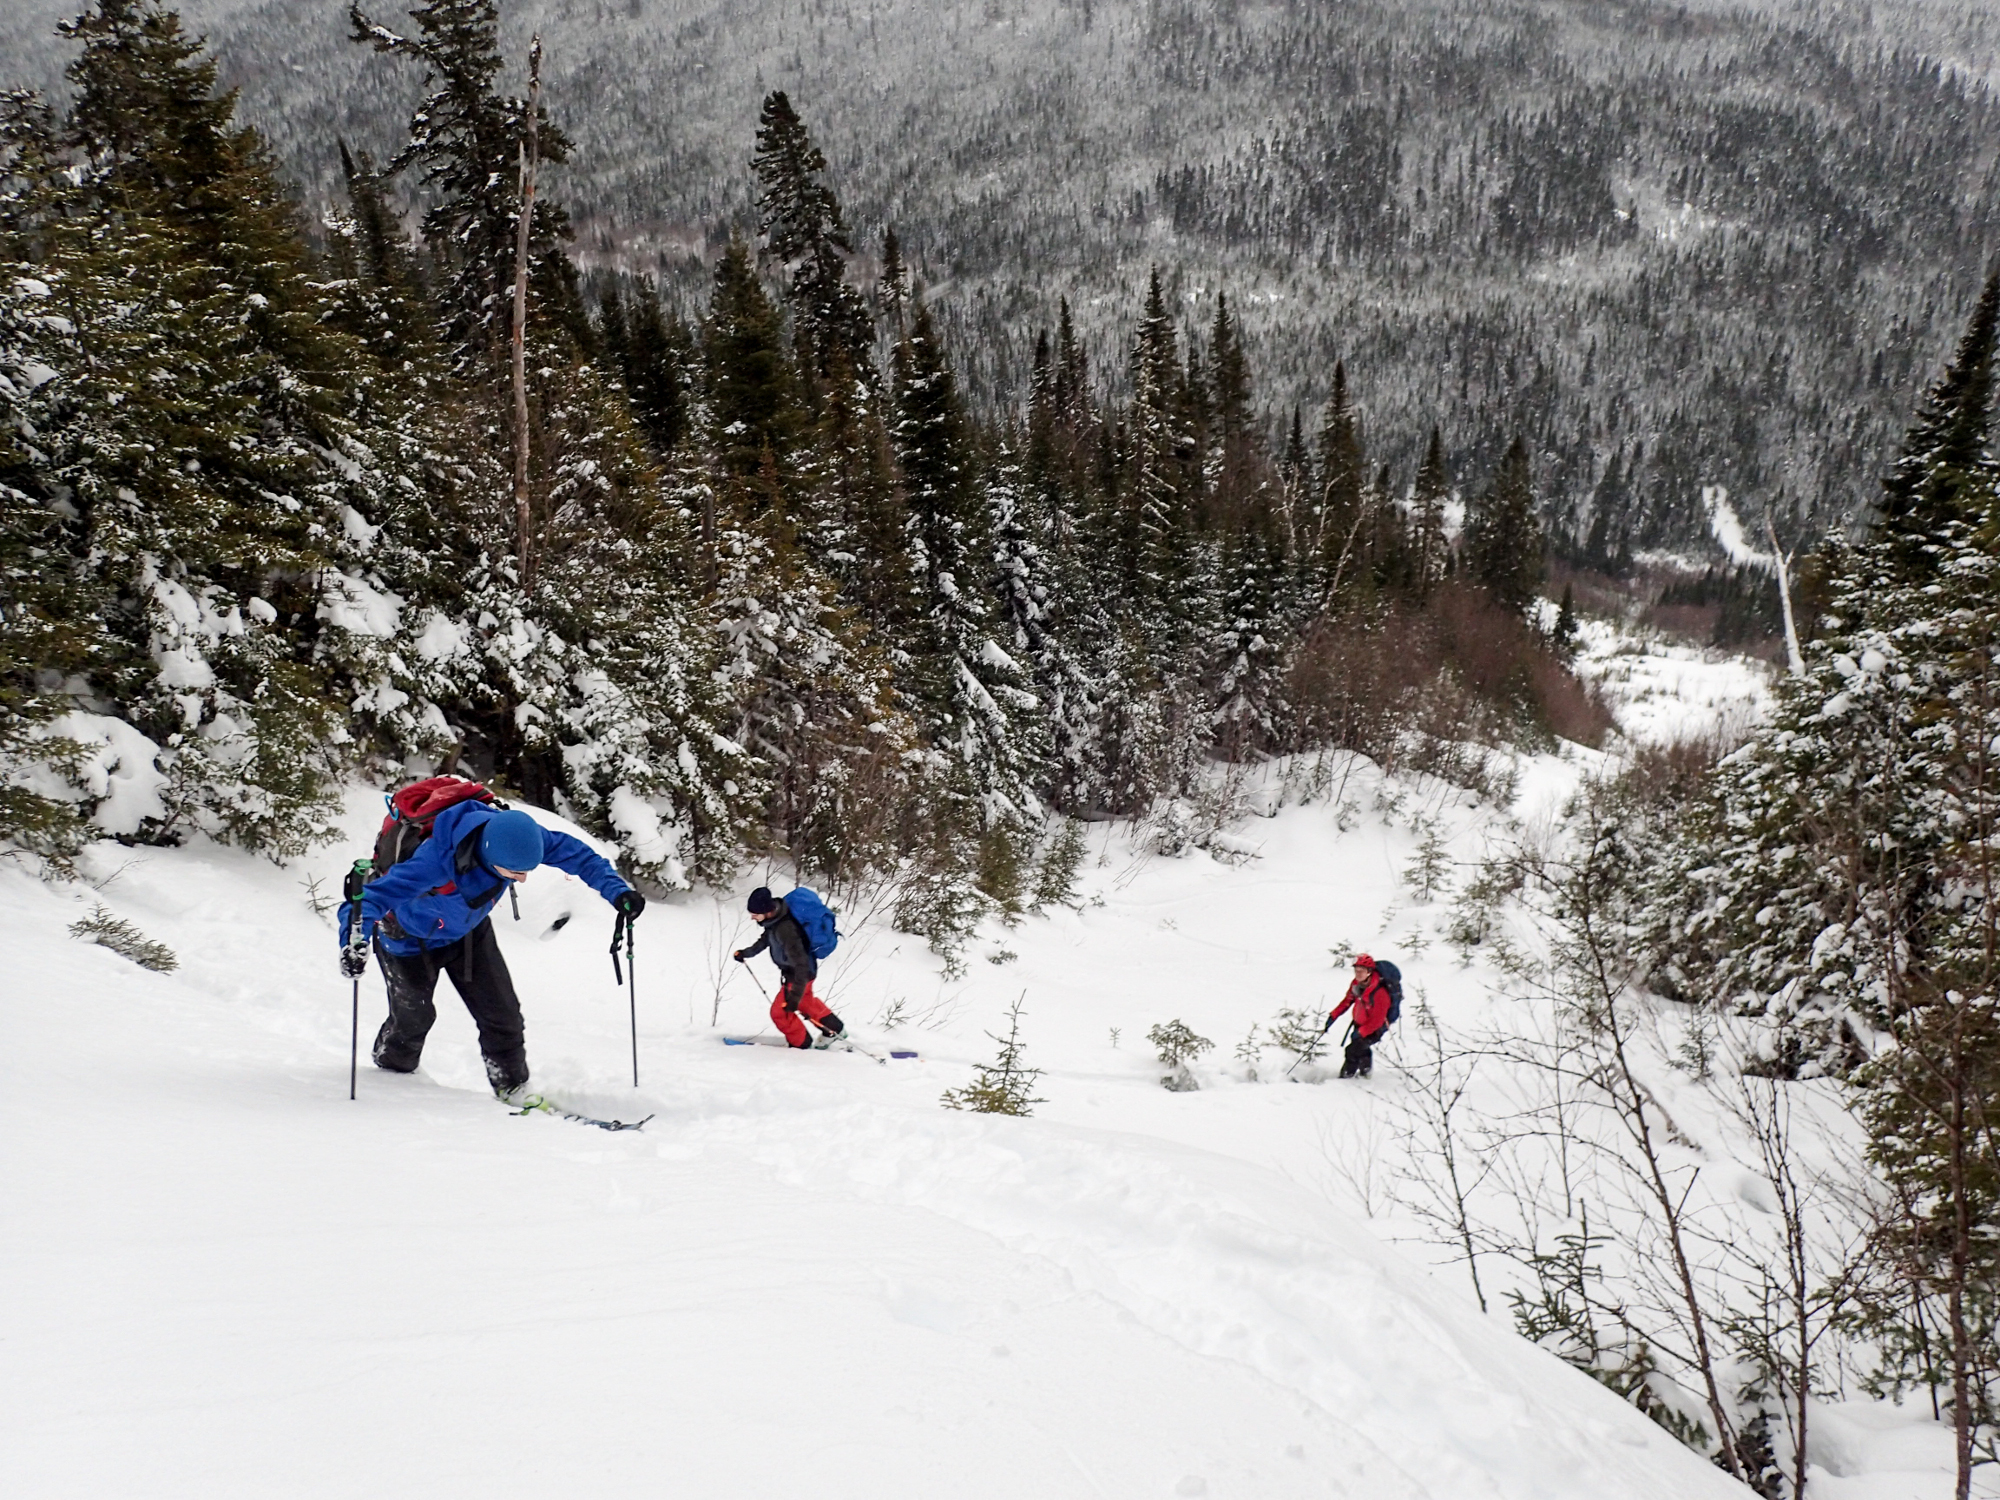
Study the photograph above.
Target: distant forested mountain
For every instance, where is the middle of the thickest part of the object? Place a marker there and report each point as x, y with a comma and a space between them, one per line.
1671, 245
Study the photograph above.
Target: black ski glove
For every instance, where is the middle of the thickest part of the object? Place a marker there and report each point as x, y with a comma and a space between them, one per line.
628, 903
353, 962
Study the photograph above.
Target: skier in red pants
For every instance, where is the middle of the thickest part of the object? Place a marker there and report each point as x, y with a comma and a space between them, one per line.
794, 957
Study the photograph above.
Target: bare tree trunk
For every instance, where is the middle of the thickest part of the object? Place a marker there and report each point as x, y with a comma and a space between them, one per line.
529, 159
1962, 1353
1361, 513
1781, 564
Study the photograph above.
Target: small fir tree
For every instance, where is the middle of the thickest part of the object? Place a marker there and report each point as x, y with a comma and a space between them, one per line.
1178, 1046
1006, 1085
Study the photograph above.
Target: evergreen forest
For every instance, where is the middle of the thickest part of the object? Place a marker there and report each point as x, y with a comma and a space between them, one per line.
291, 505
1673, 246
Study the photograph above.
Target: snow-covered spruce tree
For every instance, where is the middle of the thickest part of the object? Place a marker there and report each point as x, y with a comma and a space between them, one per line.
629, 721
465, 142
1427, 502
799, 217
966, 691
800, 506
839, 768
410, 562
376, 284
1502, 544
892, 280
655, 357
1025, 584
48, 596
1172, 572
753, 414
852, 519
1233, 469
195, 432
1064, 520
1154, 719
1330, 554
1249, 650
592, 680
1245, 653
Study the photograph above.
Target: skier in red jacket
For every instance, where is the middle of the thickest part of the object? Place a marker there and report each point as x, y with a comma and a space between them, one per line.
1368, 997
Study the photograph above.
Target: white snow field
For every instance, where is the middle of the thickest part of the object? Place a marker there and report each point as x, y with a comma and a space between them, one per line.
803, 1278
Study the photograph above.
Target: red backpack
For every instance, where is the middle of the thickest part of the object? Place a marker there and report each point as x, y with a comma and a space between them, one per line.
414, 809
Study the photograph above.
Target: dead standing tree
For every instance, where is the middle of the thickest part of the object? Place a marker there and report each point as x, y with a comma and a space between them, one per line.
530, 159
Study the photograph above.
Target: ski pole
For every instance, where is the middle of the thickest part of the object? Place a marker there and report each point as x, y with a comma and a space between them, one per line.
1313, 1048
630, 977
351, 888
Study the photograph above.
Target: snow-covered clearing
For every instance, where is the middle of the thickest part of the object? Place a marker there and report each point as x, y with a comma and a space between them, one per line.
1664, 690
804, 1278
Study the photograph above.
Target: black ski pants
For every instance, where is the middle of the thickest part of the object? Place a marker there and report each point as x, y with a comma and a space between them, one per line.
479, 974
1359, 1060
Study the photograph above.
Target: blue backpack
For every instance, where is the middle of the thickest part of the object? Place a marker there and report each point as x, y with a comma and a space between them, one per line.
814, 919
1392, 977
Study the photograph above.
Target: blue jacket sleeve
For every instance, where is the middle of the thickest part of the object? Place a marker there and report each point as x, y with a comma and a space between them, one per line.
428, 868
580, 860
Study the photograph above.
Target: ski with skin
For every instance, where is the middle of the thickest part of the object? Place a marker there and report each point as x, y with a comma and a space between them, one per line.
527, 1104
839, 1044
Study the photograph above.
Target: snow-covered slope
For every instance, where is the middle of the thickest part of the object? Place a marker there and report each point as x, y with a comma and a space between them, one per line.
802, 1278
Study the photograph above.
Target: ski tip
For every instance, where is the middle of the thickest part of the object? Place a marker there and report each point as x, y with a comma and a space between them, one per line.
902, 1054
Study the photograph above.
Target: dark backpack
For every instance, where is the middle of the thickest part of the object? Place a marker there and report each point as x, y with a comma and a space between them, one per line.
814, 920
1391, 976
413, 811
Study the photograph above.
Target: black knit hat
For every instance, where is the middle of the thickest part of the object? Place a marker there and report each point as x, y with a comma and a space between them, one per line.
761, 901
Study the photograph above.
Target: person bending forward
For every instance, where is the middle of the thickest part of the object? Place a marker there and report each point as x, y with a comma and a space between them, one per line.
431, 915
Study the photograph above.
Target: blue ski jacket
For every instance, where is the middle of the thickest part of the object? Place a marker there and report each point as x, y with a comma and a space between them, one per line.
444, 890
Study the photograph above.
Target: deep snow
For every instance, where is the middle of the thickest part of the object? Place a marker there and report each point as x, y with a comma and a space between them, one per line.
804, 1278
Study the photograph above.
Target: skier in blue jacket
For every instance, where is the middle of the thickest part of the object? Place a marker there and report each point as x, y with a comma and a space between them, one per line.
431, 914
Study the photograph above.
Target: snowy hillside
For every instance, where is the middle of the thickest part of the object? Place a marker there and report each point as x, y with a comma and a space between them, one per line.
803, 1277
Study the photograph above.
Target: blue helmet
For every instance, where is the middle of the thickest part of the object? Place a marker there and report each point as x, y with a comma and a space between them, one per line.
512, 841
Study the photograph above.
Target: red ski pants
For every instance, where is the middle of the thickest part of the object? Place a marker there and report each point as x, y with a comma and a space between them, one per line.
786, 1018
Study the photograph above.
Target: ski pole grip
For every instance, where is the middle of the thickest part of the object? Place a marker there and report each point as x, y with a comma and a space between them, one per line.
351, 888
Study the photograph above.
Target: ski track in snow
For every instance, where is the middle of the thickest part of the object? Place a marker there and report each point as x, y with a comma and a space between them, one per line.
803, 1278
